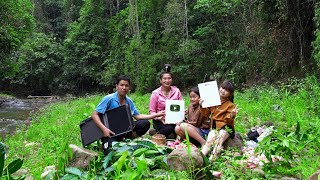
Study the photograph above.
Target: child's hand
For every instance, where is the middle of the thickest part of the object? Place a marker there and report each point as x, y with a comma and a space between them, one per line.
234, 111
200, 101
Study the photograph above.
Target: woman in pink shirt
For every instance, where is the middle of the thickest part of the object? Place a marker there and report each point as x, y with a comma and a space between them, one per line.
158, 102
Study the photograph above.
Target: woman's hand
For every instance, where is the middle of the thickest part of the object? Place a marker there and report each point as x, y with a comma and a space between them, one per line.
161, 117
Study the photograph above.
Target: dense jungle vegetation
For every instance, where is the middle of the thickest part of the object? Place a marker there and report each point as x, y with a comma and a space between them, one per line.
293, 107
75, 46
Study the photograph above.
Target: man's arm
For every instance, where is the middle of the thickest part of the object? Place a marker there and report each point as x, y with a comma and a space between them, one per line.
149, 116
106, 132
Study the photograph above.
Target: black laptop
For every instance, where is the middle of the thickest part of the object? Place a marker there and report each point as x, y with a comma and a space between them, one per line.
119, 120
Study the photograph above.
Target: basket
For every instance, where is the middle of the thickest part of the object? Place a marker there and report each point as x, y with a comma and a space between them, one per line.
159, 139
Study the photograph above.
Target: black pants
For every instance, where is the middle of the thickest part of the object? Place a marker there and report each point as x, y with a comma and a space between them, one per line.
140, 127
165, 129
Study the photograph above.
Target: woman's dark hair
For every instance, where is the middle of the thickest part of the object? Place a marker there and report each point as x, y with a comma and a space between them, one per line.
227, 85
167, 69
163, 73
124, 78
195, 90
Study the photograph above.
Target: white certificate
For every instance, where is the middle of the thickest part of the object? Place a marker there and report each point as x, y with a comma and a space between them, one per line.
174, 111
209, 93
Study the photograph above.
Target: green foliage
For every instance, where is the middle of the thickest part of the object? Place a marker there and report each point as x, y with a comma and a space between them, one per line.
316, 42
86, 47
14, 166
39, 56
292, 106
293, 109
134, 159
52, 128
16, 23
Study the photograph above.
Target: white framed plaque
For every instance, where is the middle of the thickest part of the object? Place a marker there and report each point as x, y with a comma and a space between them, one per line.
209, 93
174, 111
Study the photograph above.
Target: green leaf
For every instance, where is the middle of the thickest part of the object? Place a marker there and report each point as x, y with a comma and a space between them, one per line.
118, 165
285, 143
14, 166
151, 152
69, 177
75, 171
138, 152
107, 159
297, 128
129, 174
2, 155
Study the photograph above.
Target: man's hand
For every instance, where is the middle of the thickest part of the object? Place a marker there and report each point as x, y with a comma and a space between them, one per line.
161, 114
107, 132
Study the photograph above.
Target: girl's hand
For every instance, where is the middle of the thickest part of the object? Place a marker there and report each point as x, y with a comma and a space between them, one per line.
234, 112
200, 101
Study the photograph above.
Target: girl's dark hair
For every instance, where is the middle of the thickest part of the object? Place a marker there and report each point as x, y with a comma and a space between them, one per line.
195, 90
227, 85
167, 69
122, 77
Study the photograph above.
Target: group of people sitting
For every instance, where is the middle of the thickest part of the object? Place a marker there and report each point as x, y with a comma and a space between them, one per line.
210, 127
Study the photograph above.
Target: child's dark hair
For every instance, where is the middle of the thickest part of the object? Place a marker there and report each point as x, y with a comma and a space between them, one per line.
227, 85
195, 90
124, 78
167, 69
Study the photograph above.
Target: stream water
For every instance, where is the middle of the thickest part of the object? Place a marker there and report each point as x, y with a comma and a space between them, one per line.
15, 112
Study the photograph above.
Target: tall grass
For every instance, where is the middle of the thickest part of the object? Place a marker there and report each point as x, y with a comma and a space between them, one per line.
292, 106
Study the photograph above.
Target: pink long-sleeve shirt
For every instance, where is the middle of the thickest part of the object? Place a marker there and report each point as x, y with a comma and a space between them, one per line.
158, 99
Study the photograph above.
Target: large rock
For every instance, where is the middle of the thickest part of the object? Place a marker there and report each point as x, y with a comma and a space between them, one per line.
81, 157
315, 176
236, 142
23, 172
48, 170
179, 159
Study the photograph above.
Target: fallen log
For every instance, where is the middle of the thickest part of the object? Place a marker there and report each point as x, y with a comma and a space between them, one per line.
42, 97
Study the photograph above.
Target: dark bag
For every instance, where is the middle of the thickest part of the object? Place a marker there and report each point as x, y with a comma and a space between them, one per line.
253, 135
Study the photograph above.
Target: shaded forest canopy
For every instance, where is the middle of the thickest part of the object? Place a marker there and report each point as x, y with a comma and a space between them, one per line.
77, 46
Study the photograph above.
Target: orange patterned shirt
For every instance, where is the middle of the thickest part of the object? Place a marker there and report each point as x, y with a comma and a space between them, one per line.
220, 115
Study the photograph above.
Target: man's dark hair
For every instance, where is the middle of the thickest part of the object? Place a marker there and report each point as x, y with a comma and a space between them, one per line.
124, 78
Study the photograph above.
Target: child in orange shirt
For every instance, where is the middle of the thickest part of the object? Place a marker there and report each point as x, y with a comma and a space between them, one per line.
222, 120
